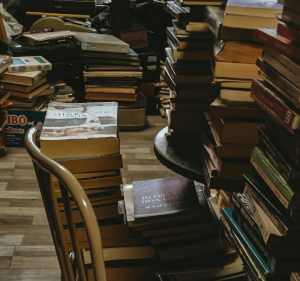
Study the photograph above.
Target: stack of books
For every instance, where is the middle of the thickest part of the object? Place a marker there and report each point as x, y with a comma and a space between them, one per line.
188, 71
174, 215
83, 137
265, 221
231, 128
28, 86
111, 76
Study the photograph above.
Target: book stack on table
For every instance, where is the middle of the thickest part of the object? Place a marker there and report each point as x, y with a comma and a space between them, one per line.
231, 128
265, 221
188, 71
83, 137
26, 81
175, 217
111, 76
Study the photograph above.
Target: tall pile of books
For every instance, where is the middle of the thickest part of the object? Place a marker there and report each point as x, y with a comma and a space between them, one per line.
175, 217
265, 221
112, 73
231, 128
188, 71
83, 137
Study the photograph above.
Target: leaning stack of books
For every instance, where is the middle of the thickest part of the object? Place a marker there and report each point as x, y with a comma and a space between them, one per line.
231, 131
112, 73
174, 215
265, 221
83, 137
188, 71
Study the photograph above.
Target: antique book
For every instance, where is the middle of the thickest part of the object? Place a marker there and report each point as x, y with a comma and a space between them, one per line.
283, 45
5, 62
110, 96
80, 130
191, 9
180, 32
22, 88
110, 89
288, 31
22, 64
23, 78
32, 93
236, 97
184, 120
290, 16
157, 197
112, 74
181, 14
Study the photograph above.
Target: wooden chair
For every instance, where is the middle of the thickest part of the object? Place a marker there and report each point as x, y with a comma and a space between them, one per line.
44, 168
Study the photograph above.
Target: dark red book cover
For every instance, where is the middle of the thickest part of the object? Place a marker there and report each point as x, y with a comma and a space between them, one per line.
276, 105
279, 43
288, 32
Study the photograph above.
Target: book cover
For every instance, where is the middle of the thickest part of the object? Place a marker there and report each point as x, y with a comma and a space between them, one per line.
276, 105
164, 196
288, 31
265, 164
5, 62
35, 63
80, 121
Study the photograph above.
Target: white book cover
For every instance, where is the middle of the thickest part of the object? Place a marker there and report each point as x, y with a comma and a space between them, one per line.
80, 120
23, 64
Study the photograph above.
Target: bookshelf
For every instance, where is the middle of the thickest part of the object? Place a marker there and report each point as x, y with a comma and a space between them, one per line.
182, 160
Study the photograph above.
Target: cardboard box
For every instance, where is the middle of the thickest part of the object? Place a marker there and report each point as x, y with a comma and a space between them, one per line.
18, 123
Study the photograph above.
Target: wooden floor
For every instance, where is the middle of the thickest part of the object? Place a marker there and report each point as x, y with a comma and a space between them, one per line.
26, 248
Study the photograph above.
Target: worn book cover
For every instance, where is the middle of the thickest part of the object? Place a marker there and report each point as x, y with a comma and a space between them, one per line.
35, 63
164, 196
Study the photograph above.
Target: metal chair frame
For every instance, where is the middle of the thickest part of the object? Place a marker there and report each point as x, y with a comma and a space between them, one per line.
44, 168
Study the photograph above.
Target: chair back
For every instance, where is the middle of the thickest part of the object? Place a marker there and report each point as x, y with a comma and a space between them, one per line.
45, 168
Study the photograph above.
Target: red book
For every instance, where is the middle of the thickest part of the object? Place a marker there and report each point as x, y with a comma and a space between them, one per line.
271, 101
279, 43
288, 32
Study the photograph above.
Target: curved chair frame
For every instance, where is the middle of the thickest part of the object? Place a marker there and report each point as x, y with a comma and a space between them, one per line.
44, 168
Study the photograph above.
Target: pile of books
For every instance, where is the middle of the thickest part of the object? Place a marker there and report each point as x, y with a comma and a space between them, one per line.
4, 103
174, 215
83, 137
109, 75
265, 221
188, 71
231, 127
28, 86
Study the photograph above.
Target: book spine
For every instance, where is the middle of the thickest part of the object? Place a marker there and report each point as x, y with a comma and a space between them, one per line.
249, 226
273, 105
38, 77
264, 163
255, 256
274, 155
288, 32
290, 16
52, 41
21, 68
282, 47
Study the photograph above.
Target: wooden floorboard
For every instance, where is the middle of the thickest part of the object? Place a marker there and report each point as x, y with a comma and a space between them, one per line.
26, 249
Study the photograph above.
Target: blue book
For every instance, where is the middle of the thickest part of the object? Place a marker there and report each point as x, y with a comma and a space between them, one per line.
255, 256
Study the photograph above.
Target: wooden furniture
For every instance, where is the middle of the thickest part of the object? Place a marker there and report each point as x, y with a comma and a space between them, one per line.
181, 160
45, 168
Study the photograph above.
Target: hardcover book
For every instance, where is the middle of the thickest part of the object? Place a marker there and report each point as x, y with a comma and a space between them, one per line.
25, 64
5, 62
164, 196
80, 130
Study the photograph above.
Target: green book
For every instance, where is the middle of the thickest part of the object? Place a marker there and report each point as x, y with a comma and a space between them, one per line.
267, 167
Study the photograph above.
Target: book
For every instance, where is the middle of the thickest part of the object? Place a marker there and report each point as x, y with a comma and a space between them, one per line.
249, 22
283, 45
278, 185
295, 276
110, 89
214, 17
240, 98
22, 88
235, 131
180, 32
23, 78
111, 96
79, 130
279, 82
181, 14
191, 9
194, 26
132, 55
5, 62
288, 31
255, 8
221, 109
279, 158
113, 74
276, 105
290, 16
22, 64
4, 95
157, 197
35, 92
237, 52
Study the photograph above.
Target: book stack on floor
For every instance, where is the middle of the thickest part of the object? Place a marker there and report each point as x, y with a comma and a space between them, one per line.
28, 86
83, 137
265, 221
231, 128
173, 214
188, 71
